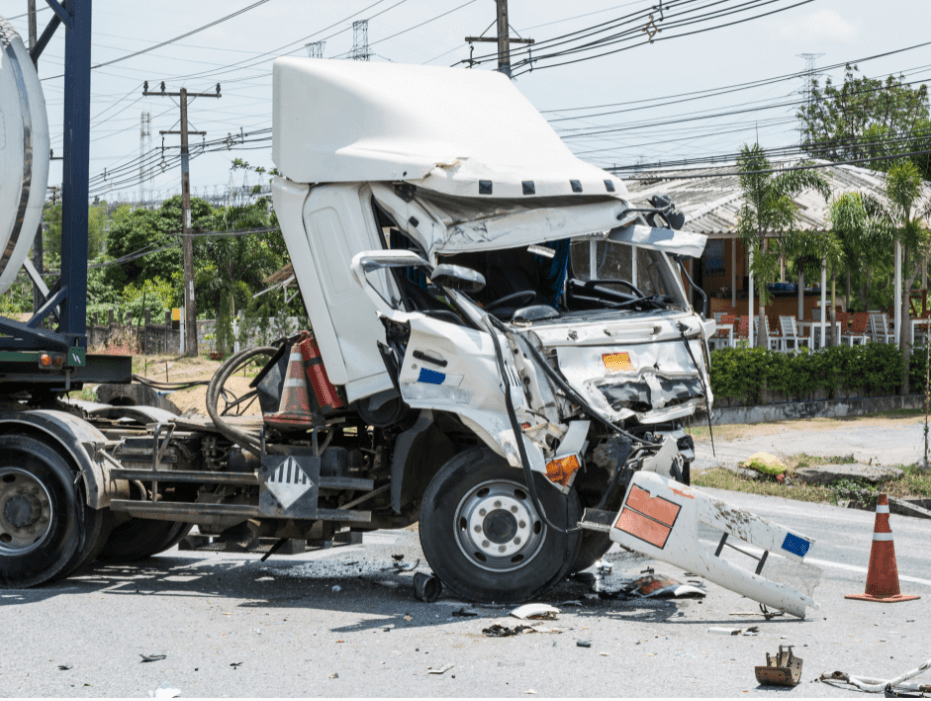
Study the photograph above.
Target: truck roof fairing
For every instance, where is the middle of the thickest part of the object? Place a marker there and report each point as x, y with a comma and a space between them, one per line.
457, 132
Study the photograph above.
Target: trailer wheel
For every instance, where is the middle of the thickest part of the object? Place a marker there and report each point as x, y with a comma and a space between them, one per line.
42, 515
483, 536
138, 538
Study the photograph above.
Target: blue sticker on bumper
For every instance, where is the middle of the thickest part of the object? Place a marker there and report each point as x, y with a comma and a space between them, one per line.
431, 377
795, 545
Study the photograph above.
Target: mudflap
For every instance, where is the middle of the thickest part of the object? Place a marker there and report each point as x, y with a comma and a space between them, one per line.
680, 525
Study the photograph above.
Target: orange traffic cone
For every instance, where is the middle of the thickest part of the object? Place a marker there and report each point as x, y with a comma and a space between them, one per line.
882, 579
294, 410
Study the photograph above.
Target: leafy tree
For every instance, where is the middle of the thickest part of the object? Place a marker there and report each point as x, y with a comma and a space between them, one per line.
867, 118
768, 215
903, 188
866, 241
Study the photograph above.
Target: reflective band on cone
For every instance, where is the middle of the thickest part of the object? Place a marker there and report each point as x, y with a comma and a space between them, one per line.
882, 578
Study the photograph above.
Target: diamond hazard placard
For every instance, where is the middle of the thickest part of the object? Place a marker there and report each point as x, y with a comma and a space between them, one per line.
288, 482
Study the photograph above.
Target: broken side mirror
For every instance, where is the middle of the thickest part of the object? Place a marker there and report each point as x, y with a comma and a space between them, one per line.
457, 277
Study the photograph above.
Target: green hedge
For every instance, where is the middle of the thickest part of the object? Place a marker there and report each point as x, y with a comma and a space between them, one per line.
742, 375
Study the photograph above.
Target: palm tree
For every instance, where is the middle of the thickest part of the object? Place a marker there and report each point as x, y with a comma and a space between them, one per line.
768, 211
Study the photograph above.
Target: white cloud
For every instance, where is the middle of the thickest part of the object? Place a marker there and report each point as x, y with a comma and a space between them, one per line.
822, 26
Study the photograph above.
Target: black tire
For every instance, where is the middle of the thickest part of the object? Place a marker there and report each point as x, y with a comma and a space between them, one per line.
97, 530
57, 505
595, 545
539, 556
137, 539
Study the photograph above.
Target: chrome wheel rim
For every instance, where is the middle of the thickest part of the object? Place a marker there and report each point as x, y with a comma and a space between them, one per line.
497, 527
25, 511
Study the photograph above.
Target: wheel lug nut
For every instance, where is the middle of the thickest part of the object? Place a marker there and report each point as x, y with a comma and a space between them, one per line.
497, 504
501, 548
482, 512
485, 543
34, 490
513, 509
522, 524
517, 540
478, 529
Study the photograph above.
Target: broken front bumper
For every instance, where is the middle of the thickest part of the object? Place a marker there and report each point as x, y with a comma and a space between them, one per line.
673, 523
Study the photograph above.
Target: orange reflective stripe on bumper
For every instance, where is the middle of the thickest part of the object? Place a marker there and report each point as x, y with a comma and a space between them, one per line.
644, 528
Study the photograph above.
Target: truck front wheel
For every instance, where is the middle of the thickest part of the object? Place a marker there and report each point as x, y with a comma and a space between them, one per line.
137, 539
483, 536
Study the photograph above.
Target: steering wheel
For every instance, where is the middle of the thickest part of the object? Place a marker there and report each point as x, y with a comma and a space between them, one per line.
522, 298
592, 283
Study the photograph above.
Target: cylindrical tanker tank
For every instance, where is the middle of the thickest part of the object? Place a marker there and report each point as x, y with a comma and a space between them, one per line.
24, 153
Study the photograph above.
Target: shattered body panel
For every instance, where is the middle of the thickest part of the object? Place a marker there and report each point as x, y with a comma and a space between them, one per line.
660, 518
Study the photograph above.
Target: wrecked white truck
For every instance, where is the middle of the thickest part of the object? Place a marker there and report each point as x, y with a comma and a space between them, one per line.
502, 349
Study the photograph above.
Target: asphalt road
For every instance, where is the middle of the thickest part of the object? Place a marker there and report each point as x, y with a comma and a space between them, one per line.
342, 622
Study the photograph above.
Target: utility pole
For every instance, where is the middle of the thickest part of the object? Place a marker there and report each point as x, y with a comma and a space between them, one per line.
504, 38
145, 144
809, 87
187, 243
315, 49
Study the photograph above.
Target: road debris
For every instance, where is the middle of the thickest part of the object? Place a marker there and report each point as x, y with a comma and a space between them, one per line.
889, 686
387, 583
65, 667
152, 658
336, 588
439, 670
427, 587
662, 587
583, 643
537, 612
165, 690
397, 558
571, 602
335, 675
405, 567
499, 631
462, 613
235, 665
784, 669
751, 631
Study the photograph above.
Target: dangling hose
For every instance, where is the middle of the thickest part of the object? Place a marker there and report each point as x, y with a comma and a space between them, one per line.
214, 389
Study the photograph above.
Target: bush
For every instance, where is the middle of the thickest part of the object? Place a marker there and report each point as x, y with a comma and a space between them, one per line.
746, 375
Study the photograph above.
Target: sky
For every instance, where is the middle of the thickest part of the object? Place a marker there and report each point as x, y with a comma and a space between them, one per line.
650, 130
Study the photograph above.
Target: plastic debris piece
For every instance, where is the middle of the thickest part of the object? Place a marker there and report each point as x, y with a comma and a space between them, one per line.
387, 583
592, 597
605, 654
462, 613
499, 631
439, 670
752, 630
235, 665
676, 591
530, 691
583, 643
336, 588
397, 558
537, 612
571, 602
408, 618
65, 667
783, 669
335, 675
152, 658
165, 690
406, 567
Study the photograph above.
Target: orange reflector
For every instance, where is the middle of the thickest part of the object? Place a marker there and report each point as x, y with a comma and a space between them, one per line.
45, 360
657, 508
643, 528
562, 469
617, 362
58, 360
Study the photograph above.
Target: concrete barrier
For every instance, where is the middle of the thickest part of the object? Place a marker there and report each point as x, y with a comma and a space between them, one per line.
822, 409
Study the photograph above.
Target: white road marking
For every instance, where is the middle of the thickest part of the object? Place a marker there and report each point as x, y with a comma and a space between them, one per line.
863, 570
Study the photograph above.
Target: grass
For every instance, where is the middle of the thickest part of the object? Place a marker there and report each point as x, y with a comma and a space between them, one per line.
915, 483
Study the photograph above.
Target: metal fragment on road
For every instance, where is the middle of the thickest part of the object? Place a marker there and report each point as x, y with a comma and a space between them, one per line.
427, 587
499, 631
235, 665
583, 643
335, 675
462, 613
439, 670
65, 667
152, 658
783, 669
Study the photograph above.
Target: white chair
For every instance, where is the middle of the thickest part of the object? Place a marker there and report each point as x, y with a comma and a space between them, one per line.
790, 334
773, 341
723, 336
879, 328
